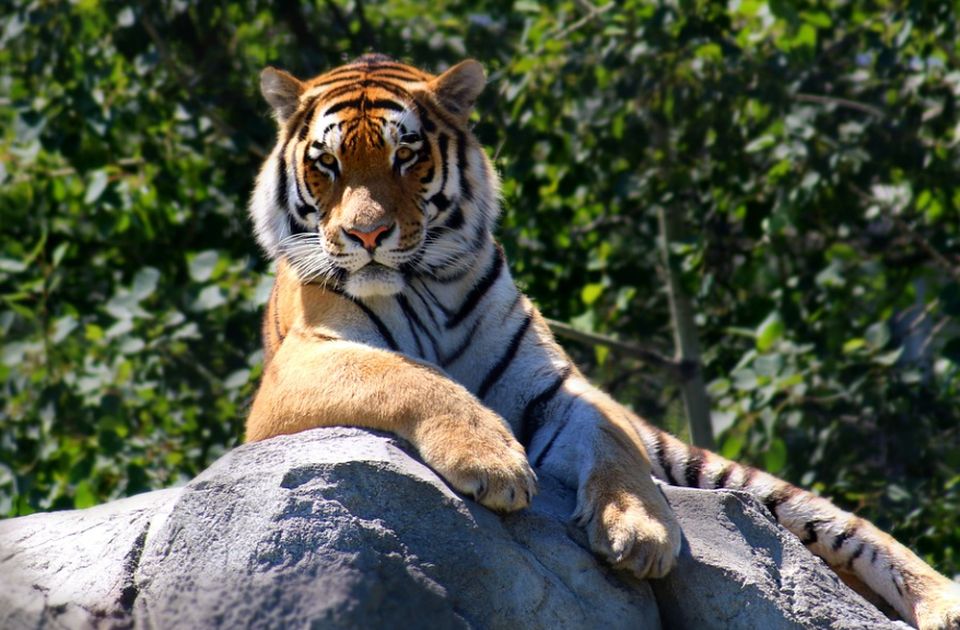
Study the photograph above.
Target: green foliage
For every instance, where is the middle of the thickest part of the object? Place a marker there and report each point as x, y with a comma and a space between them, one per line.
810, 149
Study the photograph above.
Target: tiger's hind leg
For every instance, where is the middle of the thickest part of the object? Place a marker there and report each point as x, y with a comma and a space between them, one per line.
851, 545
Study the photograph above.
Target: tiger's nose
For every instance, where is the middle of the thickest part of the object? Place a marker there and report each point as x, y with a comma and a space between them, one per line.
369, 239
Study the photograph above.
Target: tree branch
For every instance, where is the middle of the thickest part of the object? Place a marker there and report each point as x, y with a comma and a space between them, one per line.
839, 102
679, 370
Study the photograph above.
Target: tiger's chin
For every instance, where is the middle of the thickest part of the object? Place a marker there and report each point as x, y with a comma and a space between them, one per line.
374, 280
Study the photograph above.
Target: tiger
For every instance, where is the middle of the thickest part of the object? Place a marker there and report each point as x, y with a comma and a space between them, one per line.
393, 308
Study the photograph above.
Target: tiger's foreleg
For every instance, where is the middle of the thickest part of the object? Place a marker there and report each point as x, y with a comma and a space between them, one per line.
588, 441
849, 544
312, 383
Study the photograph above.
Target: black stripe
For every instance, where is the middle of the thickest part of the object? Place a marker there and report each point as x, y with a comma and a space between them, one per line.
413, 333
856, 554
358, 81
501, 366
443, 143
326, 130
352, 104
480, 236
455, 219
298, 172
295, 227
748, 477
458, 273
896, 586
453, 357
426, 307
294, 122
382, 103
282, 182
412, 316
428, 177
344, 70
377, 322
547, 447
337, 79
873, 556
810, 527
436, 301
424, 114
842, 537
693, 468
438, 113
376, 62
406, 78
777, 498
529, 424
276, 315
359, 85
724, 475
465, 190
399, 91
364, 105
440, 201
476, 293
661, 454
310, 109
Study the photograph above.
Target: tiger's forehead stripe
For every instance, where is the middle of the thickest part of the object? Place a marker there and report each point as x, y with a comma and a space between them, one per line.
364, 105
408, 73
360, 105
367, 89
389, 76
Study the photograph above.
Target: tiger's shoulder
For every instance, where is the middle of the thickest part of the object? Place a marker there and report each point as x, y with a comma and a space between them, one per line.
303, 311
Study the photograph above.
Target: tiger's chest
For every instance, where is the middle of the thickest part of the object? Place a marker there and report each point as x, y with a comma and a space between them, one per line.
489, 345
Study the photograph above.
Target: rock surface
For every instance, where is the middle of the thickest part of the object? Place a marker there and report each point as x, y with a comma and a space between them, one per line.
343, 528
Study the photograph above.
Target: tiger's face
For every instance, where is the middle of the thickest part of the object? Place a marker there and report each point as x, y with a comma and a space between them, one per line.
375, 178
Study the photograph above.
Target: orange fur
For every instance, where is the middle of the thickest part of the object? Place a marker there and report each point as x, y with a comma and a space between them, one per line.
314, 379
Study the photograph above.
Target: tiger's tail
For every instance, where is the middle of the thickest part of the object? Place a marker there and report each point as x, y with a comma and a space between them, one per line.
853, 547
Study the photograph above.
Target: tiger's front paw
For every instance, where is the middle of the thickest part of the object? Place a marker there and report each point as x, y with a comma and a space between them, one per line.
940, 607
633, 531
482, 459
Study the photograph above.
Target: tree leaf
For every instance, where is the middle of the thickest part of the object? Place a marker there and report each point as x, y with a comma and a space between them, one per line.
202, 264
96, 186
769, 331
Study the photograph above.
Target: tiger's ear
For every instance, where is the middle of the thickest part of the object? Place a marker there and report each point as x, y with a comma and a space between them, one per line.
457, 89
282, 90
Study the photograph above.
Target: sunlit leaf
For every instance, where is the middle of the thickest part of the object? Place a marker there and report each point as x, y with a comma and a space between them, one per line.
769, 331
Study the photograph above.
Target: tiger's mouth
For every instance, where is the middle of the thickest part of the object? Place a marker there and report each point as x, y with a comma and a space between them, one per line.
374, 279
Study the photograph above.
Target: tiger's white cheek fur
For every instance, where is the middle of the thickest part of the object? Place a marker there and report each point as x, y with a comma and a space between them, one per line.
269, 219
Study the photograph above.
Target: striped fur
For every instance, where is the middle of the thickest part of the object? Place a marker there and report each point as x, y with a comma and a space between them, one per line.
394, 309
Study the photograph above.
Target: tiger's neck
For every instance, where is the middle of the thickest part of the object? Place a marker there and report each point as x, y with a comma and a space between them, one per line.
445, 319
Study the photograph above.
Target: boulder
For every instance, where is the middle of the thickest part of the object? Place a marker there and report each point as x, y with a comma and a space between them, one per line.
346, 528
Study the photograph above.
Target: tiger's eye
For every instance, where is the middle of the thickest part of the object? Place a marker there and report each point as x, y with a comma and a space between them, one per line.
404, 153
328, 159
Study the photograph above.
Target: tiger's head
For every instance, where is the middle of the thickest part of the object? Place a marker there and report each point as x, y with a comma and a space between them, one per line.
375, 177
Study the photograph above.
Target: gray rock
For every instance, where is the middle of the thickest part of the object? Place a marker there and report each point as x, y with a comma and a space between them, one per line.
343, 528
75, 568
743, 570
